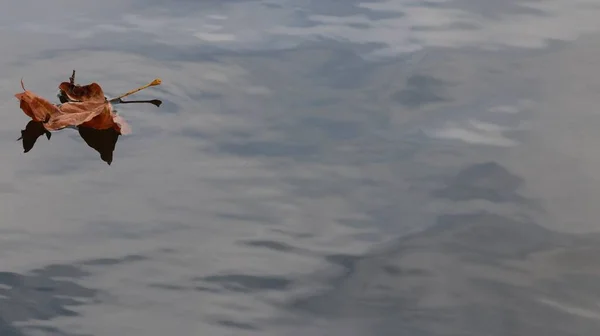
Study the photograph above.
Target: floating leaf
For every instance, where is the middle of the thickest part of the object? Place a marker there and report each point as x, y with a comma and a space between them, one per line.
71, 92
90, 92
83, 107
94, 113
36, 107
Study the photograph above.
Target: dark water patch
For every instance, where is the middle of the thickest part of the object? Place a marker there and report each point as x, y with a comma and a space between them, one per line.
247, 218
183, 7
247, 283
421, 90
492, 9
451, 277
207, 289
169, 287
47, 293
317, 188
236, 325
346, 261
134, 43
334, 129
7, 329
354, 223
269, 149
120, 230
114, 261
522, 310
576, 288
451, 26
344, 69
38, 295
10, 279
297, 235
46, 330
269, 244
349, 8
494, 236
322, 102
62, 271
206, 95
394, 270
489, 181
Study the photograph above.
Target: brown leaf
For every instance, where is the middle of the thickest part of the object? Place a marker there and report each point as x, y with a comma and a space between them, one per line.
92, 112
36, 107
75, 114
90, 92
93, 92
122, 125
108, 119
85, 107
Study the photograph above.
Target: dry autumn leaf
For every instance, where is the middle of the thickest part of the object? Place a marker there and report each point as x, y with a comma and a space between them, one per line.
36, 107
84, 107
90, 92
57, 117
71, 92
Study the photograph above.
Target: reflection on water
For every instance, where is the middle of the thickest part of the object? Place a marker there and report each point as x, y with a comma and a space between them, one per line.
382, 167
42, 294
103, 141
469, 274
488, 181
33, 130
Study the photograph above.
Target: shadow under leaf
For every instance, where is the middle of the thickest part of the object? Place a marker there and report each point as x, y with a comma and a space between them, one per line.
103, 141
33, 130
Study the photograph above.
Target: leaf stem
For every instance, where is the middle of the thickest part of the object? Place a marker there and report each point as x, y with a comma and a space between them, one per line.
155, 82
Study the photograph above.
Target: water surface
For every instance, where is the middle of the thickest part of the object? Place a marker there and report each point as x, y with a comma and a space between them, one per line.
316, 168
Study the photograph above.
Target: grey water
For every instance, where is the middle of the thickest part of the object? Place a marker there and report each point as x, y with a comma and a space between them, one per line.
375, 167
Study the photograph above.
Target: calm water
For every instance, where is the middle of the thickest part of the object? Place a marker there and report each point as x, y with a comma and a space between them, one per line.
317, 168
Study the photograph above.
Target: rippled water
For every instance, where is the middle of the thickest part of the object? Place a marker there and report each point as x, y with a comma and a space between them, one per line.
317, 168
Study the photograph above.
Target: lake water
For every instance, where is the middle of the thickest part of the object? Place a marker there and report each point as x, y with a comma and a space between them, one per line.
325, 167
